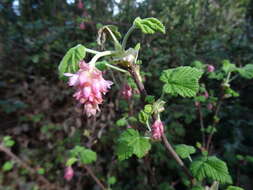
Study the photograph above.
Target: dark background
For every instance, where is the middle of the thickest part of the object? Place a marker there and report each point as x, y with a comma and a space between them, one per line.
37, 111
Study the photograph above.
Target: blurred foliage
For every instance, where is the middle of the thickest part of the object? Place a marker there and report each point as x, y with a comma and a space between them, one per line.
40, 124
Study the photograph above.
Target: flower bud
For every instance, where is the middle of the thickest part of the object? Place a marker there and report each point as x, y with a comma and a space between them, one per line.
157, 130
210, 68
127, 92
69, 173
82, 26
206, 94
80, 4
210, 106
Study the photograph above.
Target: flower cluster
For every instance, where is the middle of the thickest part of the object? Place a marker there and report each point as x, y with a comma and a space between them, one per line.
157, 130
90, 86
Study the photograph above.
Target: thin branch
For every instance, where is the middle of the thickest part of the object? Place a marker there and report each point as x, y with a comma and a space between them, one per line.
201, 121
166, 143
94, 177
26, 166
209, 140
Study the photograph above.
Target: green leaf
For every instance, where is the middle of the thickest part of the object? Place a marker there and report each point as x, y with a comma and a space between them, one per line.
130, 142
7, 166
8, 142
88, 156
234, 188
143, 117
211, 167
114, 30
150, 99
149, 25
228, 67
71, 161
111, 180
123, 151
101, 65
148, 108
197, 188
246, 71
184, 151
41, 171
181, 81
69, 63
121, 122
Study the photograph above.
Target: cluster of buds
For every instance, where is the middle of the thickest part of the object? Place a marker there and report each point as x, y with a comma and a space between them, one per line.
157, 130
90, 86
127, 92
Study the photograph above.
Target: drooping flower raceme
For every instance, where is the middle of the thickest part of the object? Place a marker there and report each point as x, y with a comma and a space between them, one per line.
157, 129
126, 92
69, 173
90, 86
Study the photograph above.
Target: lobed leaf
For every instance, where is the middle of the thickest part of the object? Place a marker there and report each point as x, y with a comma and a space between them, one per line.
246, 71
184, 151
130, 142
211, 167
149, 25
181, 81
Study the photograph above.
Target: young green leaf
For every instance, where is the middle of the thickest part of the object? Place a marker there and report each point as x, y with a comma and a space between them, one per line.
69, 63
71, 161
211, 167
101, 65
228, 67
111, 180
41, 171
184, 151
234, 188
130, 142
88, 156
121, 122
7, 166
246, 71
181, 81
149, 25
8, 142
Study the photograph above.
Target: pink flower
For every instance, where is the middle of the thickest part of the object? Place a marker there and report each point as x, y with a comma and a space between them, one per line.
82, 26
90, 86
206, 94
80, 4
210, 106
210, 68
127, 92
157, 130
69, 173
197, 104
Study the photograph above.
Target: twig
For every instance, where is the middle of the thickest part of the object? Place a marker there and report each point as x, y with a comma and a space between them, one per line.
94, 177
26, 166
209, 140
202, 126
166, 143
176, 157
